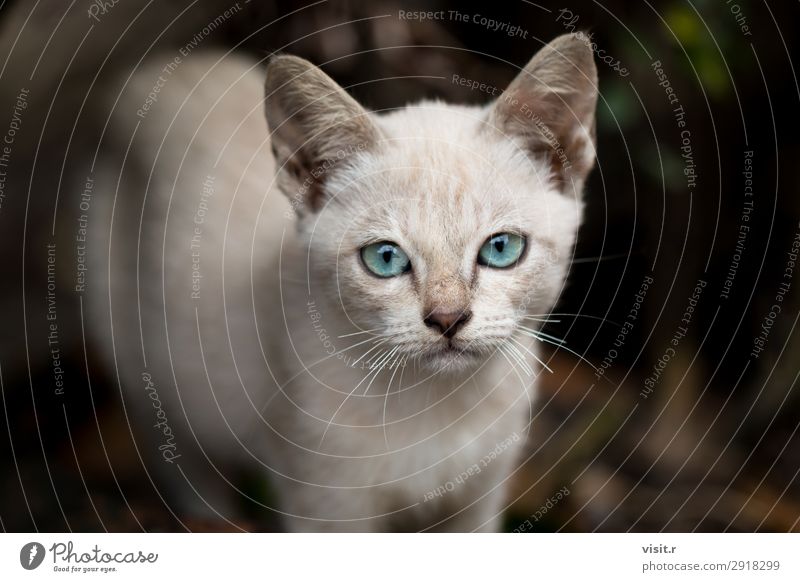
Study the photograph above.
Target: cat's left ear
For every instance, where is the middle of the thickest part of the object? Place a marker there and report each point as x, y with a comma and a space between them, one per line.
549, 108
314, 126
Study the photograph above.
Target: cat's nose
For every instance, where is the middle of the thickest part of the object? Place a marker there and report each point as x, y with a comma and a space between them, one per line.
447, 322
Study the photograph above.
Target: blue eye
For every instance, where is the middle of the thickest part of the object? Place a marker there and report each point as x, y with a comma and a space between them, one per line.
501, 250
385, 259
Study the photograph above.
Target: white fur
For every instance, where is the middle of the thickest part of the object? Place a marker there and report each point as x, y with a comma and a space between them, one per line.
346, 448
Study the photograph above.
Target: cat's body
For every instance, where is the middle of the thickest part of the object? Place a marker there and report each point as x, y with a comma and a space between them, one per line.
269, 344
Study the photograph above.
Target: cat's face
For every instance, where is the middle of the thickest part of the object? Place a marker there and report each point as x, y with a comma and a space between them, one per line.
440, 228
446, 223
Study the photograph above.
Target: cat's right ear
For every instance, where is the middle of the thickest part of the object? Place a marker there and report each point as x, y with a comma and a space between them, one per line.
314, 125
550, 108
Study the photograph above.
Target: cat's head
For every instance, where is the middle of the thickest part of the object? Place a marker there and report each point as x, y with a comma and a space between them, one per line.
439, 227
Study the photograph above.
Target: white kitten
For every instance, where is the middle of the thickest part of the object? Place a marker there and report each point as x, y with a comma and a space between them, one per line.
355, 330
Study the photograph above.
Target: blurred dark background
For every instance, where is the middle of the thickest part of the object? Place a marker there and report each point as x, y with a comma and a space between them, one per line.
709, 443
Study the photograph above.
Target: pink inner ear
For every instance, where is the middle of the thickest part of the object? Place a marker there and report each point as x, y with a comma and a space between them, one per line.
310, 182
550, 107
550, 124
313, 120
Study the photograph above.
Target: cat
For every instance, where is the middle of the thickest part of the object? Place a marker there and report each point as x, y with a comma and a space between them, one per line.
346, 302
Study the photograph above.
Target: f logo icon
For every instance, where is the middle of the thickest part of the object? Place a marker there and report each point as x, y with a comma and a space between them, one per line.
31, 555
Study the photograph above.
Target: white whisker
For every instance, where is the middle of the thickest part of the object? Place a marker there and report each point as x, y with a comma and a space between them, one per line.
378, 365
535, 357
377, 355
541, 333
379, 344
307, 367
528, 396
542, 319
372, 373
517, 355
521, 357
539, 316
386, 401
560, 345
359, 332
348, 348
400, 380
502, 351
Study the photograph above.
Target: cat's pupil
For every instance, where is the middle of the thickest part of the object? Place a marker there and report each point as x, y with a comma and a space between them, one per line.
387, 256
499, 245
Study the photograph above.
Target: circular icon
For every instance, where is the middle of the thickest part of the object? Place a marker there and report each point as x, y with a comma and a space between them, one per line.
31, 555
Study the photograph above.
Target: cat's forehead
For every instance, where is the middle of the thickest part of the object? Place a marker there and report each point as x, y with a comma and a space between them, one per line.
436, 192
435, 141
433, 120
441, 173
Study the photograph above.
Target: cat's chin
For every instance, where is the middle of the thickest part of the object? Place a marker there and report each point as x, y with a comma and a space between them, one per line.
451, 359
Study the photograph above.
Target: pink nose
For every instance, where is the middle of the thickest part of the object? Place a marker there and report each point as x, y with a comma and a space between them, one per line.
447, 322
